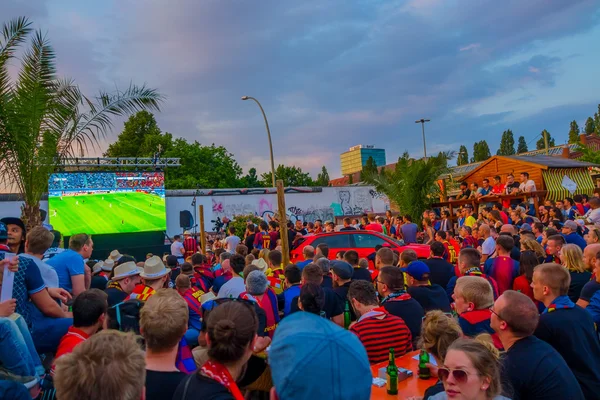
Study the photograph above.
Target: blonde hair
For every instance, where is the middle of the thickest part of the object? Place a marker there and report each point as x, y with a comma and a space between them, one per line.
264, 254
39, 239
533, 245
476, 290
109, 365
164, 320
572, 257
555, 276
485, 359
438, 332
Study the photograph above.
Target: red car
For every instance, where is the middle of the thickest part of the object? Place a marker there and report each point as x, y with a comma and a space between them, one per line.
363, 242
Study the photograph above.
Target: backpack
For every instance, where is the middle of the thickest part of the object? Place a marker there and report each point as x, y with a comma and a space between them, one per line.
125, 316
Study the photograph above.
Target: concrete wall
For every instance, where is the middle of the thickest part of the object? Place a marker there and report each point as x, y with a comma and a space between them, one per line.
305, 206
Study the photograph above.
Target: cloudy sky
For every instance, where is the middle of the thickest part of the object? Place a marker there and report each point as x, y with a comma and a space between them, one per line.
333, 74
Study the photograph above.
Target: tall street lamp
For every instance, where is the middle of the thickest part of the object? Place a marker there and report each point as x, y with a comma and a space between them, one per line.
268, 134
422, 122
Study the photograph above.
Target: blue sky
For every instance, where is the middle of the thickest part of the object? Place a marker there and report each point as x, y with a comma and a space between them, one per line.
333, 74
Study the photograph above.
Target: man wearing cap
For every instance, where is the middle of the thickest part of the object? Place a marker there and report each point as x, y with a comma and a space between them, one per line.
341, 273
70, 265
569, 231
16, 234
154, 277
325, 350
126, 277
429, 296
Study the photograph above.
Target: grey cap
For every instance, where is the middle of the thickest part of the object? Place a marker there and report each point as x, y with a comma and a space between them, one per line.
342, 269
256, 283
526, 227
572, 225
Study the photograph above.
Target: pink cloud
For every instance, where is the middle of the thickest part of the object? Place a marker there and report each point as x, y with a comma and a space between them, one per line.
472, 46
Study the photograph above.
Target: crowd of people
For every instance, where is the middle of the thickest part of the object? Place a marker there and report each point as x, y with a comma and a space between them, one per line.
506, 310
68, 181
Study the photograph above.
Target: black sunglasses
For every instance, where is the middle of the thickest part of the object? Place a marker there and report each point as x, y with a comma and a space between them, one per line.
459, 375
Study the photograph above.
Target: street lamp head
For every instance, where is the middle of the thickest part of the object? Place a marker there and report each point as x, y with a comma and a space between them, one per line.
244, 97
422, 120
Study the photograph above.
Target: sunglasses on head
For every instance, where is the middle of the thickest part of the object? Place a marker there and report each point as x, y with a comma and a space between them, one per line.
459, 375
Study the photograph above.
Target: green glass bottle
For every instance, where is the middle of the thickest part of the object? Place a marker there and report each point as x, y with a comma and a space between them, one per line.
424, 372
392, 374
347, 318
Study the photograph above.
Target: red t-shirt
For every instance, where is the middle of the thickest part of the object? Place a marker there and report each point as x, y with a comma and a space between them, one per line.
521, 284
191, 246
374, 226
68, 342
273, 235
498, 189
504, 217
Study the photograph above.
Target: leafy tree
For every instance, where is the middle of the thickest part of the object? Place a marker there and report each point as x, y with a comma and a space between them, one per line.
412, 186
540, 144
481, 151
597, 121
141, 137
291, 176
44, 118
507, 144
574, 132
250, 180
588, 154
350, 179
463, 156
369, 167
201, 167
522, 146
589, 126
323, 178
240, 222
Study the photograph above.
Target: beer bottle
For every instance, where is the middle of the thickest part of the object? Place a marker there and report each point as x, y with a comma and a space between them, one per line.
347, 318
424, 372
392, 374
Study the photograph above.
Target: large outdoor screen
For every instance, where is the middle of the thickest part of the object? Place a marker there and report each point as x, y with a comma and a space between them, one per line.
107, 202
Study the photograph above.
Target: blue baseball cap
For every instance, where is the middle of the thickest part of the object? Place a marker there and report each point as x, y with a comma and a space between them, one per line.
3, 231
418, 270
313, 358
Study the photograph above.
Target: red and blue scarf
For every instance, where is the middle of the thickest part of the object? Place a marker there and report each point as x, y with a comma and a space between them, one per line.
561, 302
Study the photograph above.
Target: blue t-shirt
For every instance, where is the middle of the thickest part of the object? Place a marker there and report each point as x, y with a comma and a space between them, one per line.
575, 238
28, 281
67, 264
303, 264
409, 233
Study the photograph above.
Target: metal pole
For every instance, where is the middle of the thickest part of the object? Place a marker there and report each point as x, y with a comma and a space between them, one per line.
424, 145
202, 232
269, 135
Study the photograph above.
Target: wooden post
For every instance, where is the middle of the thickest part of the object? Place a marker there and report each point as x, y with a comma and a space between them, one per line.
202, 233
285, 246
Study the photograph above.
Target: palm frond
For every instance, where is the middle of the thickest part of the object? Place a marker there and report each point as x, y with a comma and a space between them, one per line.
13, 34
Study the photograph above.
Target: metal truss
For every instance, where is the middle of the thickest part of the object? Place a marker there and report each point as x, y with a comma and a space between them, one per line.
118, 162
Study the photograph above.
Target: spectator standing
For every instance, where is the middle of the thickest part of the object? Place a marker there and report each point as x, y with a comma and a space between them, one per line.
533, 369
473, 298
126, 277
502, 268
16, 234
373, 225
470, 220
293, 276
528, 186
341, 273
489, 244
572, 258
163, 322
333, 307
190, 244
529, 260
567, 327
593, 215
347, 225
177, 249
429, 296
109, 365
593, 286
397, 302
469, 261
409, 230
441, 271
251, 230
231, 241
55, 248
308, 252
202, 276
70, 264
298, 371
554, 245
257, 290
375, 325
325, 265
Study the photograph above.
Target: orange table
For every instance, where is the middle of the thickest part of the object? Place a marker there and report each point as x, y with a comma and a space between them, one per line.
412, 386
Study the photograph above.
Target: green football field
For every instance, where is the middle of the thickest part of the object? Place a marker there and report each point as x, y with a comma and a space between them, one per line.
107, 213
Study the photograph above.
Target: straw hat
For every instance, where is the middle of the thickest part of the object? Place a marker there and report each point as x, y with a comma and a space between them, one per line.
126, 270
154, 268
115, 255
261, 264
97, 267
108, 265
187, 233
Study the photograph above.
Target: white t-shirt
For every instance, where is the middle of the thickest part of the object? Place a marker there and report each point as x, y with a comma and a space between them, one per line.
49, 275
232, 288
488, 247
176, 249
231, 243
527, 187
593, 216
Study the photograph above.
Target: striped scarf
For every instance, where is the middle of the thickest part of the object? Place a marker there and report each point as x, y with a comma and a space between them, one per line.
141, 292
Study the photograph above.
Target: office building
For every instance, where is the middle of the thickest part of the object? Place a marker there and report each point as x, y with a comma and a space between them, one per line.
354, 159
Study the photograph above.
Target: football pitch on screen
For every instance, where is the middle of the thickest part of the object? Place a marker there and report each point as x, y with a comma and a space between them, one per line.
107, 213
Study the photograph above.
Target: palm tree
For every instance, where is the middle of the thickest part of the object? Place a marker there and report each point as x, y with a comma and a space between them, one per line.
412, 186
44, 118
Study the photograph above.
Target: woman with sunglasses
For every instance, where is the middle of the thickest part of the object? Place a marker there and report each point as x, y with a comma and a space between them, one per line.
231, 338
471, 371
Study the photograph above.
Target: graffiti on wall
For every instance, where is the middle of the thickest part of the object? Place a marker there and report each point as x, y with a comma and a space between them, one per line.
353, 202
